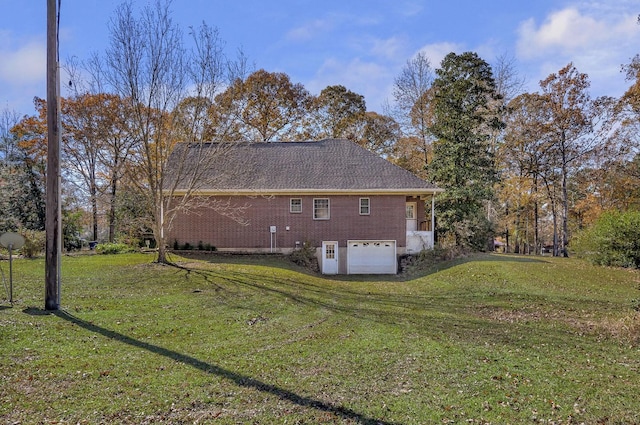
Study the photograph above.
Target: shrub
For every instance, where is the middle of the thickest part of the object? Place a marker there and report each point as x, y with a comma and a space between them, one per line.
34, 244
113, 248
424, 260
71, 229
305, 256
613, 240
201, 246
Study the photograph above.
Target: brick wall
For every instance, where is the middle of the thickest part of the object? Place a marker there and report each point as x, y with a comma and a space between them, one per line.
386, 221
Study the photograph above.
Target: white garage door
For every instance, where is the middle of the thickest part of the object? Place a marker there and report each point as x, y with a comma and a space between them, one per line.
371, 257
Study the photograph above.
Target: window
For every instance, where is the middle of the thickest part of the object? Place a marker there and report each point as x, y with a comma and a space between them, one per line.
321, 209
411, 211
364, 206
330, 252
295, 205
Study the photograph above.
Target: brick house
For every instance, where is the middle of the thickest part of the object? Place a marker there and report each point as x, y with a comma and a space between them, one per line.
360, 211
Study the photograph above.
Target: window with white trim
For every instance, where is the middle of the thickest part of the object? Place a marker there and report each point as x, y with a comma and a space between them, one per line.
295, 205
321, 209
365, 206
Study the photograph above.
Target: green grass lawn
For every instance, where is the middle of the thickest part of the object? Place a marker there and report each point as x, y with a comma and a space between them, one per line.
234, 340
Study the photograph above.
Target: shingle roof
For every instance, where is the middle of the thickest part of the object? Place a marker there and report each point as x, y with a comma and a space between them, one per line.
331, 165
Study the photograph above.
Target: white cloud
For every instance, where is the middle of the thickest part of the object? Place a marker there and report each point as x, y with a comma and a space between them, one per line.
309, 30
596, 37
409, 9
437, 51
390, 48
562, 31
24, 65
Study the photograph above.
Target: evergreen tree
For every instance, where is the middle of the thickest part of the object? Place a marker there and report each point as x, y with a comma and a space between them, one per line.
465, 106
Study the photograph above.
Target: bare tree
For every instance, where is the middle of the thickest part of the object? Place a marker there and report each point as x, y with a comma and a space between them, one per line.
148, 64
8, 119
413, 96
509, 82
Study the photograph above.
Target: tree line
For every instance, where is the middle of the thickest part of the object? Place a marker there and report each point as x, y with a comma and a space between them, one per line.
529, 169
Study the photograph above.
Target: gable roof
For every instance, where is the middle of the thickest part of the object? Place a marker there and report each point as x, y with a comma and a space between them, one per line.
325, 166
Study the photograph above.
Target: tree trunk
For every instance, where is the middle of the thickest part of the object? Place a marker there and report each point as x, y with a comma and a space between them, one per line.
94, 210
112, 211
158, 233
555, 230
162, 252
536, 219
565, 214
506, 231
518, 236
526, 248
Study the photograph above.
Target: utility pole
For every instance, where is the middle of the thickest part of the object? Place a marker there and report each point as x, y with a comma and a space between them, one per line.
52, 219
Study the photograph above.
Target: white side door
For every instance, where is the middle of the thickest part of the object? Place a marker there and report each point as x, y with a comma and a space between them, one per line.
330, 257
412, 218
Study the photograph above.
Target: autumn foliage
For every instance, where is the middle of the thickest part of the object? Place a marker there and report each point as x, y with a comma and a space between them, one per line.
530, 169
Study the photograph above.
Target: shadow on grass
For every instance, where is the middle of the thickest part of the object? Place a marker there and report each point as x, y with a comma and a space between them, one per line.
33, 311
441, 265
459, 314
236, 378
359, 301
367, 305
281, 261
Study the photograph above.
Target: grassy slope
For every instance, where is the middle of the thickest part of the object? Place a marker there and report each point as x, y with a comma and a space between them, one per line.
492, 339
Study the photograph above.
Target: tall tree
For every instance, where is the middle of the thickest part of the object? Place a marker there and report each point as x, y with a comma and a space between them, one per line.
630, 106
463, 163
509, 83
81, 140
379, 134
337, 112
578, 127
522, 157
8, 170
264, 107
30, 134
22, 201
413, 110
148, 64
632, 96
8, 148
97, 143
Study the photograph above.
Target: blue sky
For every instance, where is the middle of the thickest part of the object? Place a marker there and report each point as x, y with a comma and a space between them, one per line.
360, 44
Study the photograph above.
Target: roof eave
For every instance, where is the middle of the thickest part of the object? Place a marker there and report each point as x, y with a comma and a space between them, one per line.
248, 192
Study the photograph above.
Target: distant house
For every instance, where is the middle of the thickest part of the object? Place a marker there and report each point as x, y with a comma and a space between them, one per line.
359, 210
